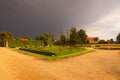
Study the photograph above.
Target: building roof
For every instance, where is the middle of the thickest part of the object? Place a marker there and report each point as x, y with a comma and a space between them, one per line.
91, 38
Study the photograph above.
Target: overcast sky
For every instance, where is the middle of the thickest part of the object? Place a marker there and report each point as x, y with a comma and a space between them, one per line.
99, 18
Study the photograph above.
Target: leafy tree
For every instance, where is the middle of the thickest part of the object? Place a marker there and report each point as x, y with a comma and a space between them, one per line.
82, 36
111, 41
96, 39
52, 37
37, 38
47, 39
118, 38
41, 38
73, 36
63, 39
4, 37
102, 42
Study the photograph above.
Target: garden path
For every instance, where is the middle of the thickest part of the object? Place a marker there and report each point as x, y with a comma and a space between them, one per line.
97, 65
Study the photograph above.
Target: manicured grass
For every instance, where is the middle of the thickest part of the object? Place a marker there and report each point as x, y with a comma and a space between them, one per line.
60, 52
100, 45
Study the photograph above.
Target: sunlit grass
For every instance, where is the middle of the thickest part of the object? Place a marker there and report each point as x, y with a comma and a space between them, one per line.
60, 52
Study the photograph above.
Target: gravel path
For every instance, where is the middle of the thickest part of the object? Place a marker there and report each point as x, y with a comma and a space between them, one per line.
97, 65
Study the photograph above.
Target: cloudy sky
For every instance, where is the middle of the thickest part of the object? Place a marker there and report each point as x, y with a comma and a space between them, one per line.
99, 18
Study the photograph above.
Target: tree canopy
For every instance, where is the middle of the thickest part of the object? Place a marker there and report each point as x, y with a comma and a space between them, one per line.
82, 36
73, 36
6, 35
63, 39
118, 38
46, 38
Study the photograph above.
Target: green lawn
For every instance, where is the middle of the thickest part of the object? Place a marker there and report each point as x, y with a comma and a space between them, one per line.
59, 51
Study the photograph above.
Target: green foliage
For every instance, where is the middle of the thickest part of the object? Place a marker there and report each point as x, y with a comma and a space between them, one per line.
41, 38
4, 37
46, 39
21, 43
63, 39
37, 38
77, 37
58, 52
82, 36
111, 41
102, 42
93, 42
73, 36
118, 38
96, 38
52, 37
38, 51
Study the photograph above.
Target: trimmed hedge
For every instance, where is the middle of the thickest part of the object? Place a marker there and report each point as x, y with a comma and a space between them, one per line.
108, 48
39, 52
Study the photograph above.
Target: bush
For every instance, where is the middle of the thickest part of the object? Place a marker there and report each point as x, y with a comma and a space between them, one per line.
27, 44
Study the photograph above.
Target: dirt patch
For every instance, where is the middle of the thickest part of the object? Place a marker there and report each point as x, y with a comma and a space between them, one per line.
98, 65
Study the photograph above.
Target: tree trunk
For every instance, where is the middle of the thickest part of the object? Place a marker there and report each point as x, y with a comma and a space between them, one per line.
6, 44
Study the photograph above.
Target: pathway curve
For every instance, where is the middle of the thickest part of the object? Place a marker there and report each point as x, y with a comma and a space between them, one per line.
97, 65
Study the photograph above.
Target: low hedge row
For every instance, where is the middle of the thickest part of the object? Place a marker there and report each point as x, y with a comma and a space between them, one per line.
108, 48
39, 52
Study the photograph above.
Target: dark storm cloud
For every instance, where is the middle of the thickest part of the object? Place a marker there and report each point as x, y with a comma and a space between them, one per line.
31, 17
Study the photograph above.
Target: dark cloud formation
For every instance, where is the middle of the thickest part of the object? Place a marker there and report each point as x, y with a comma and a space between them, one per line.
32, 17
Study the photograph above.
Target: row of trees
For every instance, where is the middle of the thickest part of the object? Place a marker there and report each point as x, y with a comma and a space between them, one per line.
47, 39
111, 41
75, 37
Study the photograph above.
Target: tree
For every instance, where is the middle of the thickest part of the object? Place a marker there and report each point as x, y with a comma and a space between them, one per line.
40, 39
96, 39
111, 41
47, 39
4, 37
52, 37
73, 36
63, 39
82, 36
118, 38
102, 42
37, 38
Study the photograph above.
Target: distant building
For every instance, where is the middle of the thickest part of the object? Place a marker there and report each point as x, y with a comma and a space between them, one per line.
93, 40
25, 39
